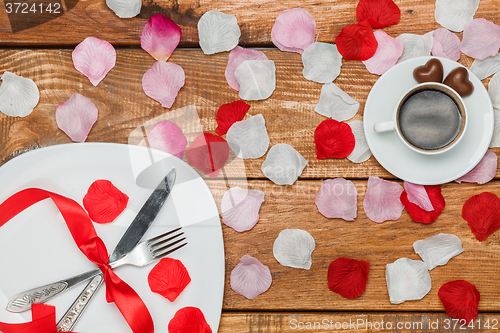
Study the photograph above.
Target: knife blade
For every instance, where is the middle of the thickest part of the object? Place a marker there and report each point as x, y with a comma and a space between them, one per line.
136, 230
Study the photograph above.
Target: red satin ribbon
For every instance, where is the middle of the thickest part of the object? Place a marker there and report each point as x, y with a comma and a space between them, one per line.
79, 224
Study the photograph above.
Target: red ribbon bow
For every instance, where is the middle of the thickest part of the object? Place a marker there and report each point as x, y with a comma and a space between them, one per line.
80, 225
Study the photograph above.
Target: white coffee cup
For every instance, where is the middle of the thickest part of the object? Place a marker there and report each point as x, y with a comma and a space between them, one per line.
430, 119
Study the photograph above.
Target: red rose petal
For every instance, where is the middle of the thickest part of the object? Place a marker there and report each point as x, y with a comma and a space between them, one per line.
104, 202
482, 212
420, 215
460, 299
208, 153
168, 278
333, 139
228, 114
348, 277
357, 41
380, 13
189, 320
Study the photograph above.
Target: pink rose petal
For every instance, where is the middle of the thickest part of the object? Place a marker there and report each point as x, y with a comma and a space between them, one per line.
481, 39
94, 58
382, 200
446, 44
76, 116
250, 277
337, 198
293, 30
163, 81
240, 208
483, 172
237, 56
160, 36
167, 136
388, 52
417, 194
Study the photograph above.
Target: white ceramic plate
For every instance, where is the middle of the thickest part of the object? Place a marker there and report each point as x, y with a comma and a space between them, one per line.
36, 247
411, 166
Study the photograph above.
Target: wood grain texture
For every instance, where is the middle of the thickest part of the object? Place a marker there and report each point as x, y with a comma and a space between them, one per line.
255, 18
123, 106
356, 322
380, 244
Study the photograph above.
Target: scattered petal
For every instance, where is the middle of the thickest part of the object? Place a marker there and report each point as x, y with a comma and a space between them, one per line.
361, 151
348, 277
18, 95
208, 153
333, 139
293, 30
125, 8
484, 68
160, 36
168, 278
357, 41
380, 13
336, 103
494, 91
454, 14
76, 116
240, 208
482, 212
381, 201
407, 280
416, 45
388, 52
283, 164
163, 81
249, 138
438, 249
421, 215
94, 58
481, 39
322, 62
218, 32
250, 277
483, 172
104, 202
338, 198
293, 248
446, 44
228, 114
417, 195
189, 320
237, 56
460, 300
495, 140
257, 79
168, 137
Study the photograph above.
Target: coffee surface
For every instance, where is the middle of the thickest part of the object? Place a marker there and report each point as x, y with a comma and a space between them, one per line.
430, 119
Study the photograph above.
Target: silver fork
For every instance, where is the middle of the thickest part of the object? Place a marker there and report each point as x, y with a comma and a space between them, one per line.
143, 254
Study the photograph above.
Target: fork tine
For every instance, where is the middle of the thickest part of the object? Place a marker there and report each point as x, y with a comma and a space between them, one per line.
152, 240
164, 246
166, 250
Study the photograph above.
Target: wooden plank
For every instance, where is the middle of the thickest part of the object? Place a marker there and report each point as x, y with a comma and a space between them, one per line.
123, 106
80, 19
380, 244
356, 322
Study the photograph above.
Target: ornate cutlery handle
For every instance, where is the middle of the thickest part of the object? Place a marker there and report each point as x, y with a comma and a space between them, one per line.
71, 316
23, 301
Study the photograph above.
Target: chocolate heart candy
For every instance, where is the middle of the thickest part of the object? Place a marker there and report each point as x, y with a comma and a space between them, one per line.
458, 80
432, 71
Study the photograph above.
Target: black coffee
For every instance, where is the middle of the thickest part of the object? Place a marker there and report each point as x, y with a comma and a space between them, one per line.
430, 119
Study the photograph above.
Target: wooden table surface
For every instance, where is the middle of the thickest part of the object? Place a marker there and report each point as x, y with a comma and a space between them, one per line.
42, 52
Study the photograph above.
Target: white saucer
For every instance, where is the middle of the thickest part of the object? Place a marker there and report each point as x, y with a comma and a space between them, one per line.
411, 166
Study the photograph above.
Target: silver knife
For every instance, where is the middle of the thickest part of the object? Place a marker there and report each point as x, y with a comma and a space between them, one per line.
23, 301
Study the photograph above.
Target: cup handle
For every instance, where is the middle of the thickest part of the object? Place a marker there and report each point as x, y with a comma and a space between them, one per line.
384, 126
